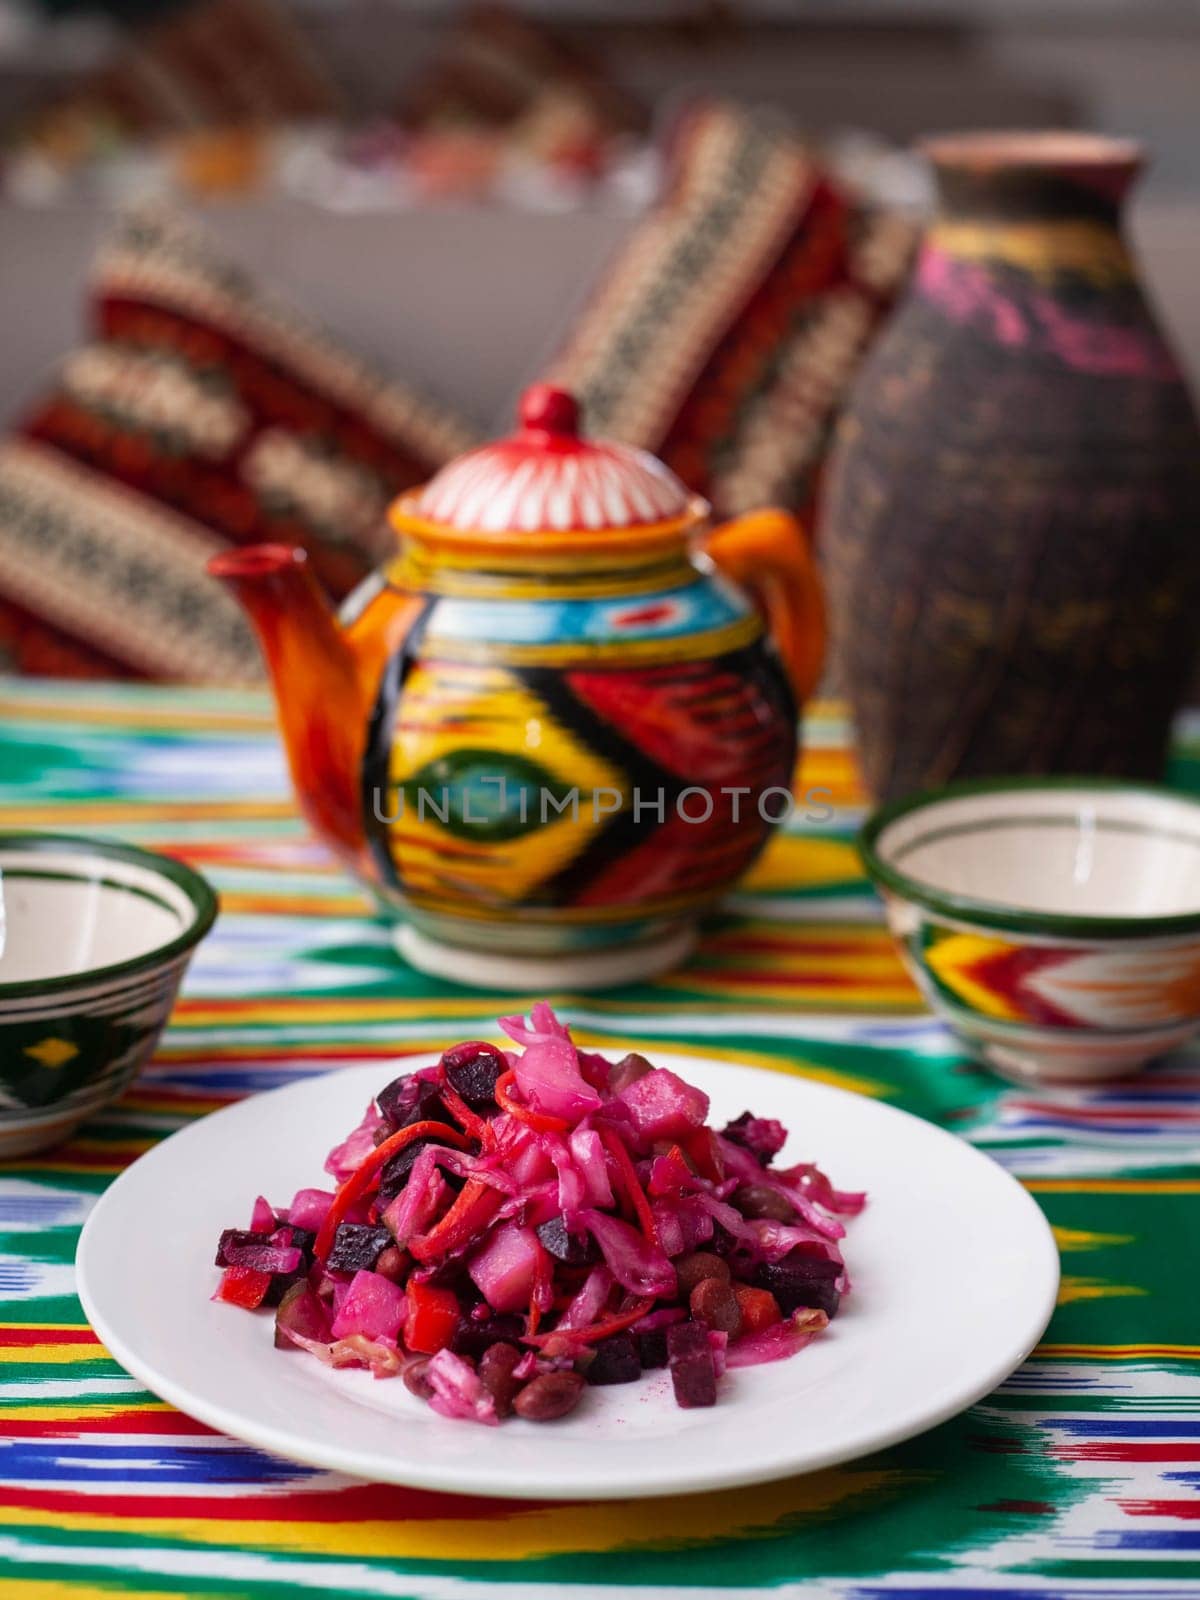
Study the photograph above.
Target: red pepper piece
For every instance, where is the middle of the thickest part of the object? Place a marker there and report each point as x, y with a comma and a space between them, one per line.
759, 1308
604, 1329
431, 1318
360, 1180
474, 1207
540, 1121
469, 1121
243, 1286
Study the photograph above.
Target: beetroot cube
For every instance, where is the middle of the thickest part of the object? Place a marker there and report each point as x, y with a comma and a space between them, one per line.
473, 1070
238, 1239
357, 1247
690, 1363
616, 1361
474, 1335
575, 1249
395, 1174
411, 1098
281, 1282
762, 1136
652, 1348
801, 1279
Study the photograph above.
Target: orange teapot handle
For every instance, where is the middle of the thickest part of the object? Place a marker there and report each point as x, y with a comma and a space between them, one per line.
768, 553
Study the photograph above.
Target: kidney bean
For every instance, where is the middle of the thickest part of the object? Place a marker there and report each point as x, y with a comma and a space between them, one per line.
715, 1304
496, 1374
416, 1379
760, 1200
549, 1396
392, 1263
695, 1267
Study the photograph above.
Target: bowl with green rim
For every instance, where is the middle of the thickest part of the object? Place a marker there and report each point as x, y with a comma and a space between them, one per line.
95, 937
1053, 923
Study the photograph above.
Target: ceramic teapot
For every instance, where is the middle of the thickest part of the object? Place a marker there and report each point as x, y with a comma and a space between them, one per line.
555, 725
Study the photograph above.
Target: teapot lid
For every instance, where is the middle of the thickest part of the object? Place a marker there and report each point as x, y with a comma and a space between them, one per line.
546, 477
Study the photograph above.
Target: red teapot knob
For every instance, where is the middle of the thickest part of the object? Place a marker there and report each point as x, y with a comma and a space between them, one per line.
546, 409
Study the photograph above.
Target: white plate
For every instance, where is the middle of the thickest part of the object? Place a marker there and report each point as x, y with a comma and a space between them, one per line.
954, 1267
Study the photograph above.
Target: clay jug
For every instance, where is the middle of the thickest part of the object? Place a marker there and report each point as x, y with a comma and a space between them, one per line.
1012, 517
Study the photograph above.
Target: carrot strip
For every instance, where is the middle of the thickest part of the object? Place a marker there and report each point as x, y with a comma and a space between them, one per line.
469, 1121
617, 1323
627, 1173
538, 1120
359, 1181
474, 1207
542, 1279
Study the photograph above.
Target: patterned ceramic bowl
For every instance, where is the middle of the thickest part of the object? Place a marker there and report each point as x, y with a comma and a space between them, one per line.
94, 940
1054, 924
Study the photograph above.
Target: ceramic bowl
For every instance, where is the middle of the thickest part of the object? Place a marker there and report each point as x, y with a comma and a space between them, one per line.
1054, 924
94, 942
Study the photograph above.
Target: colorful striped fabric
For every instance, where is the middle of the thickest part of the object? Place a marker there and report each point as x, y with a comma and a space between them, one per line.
1078, 1477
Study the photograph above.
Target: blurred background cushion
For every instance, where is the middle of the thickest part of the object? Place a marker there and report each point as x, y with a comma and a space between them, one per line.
724, 334
200, 414
183, 67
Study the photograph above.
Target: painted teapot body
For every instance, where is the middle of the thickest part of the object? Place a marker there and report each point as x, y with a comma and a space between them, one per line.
551, 729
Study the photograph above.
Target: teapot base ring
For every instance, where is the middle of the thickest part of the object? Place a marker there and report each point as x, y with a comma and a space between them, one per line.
537, 974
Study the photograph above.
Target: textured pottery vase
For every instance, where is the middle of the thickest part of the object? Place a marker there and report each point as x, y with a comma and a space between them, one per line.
1012, 518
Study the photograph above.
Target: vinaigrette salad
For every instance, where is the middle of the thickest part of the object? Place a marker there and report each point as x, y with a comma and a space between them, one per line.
514, 1225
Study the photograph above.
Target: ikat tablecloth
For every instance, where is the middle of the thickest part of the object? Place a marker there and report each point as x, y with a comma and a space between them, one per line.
1078, 1477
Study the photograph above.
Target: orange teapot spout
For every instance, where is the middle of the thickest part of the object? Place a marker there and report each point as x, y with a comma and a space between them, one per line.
321, 680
